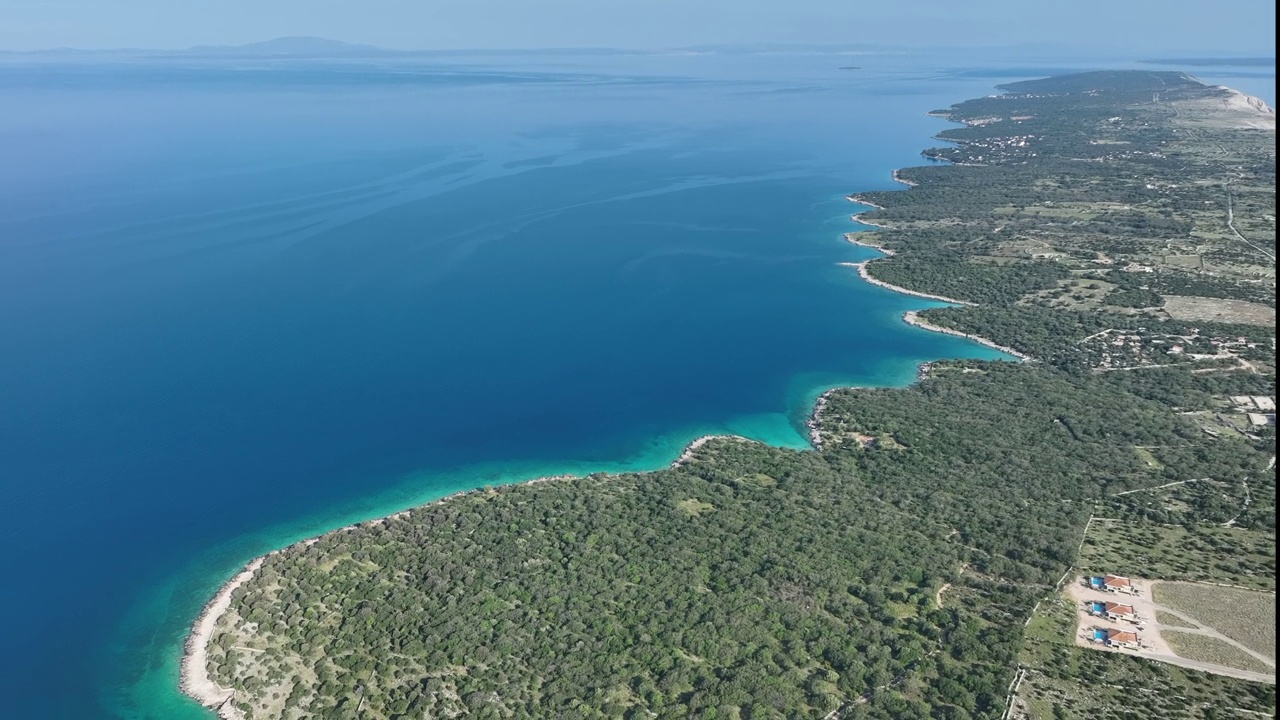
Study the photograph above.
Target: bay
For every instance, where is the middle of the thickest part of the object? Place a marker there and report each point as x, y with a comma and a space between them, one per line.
242, 304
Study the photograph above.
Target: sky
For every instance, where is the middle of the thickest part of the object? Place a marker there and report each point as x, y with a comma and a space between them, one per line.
1243, 27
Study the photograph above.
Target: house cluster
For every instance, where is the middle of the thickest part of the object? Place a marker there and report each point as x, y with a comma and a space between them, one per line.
1122, 348
1134, 267
1112, 583
1114, 348
1260, 409
981, 121
1114, 611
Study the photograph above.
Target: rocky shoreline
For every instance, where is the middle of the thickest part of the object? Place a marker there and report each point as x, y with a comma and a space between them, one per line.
854, 239
912, 317
897, 177
858, 218
195, 681
691, 449
861, 267
815, 436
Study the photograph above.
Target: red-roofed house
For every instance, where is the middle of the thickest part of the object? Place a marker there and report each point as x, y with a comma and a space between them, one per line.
1117, 583
1122, 638
1119, 611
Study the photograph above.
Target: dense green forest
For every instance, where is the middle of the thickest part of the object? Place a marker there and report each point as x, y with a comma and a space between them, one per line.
892, 572
755, 582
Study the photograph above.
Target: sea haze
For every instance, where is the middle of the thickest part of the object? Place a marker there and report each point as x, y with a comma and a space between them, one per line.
242, 302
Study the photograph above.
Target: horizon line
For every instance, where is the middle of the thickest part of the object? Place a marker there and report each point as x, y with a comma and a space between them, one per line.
755, 46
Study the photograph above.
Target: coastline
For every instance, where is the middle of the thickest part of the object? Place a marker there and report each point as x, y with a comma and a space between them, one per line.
194, 680
912, 317
862, 272
852, 237
691, 449
815, 436
857, 217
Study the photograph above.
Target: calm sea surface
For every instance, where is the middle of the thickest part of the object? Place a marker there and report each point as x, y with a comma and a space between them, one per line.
244, 303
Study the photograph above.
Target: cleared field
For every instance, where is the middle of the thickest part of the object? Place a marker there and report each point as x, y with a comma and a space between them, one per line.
1203, 648
1246, 616
1232, 555
1180, 307
1192, 261
1170, 620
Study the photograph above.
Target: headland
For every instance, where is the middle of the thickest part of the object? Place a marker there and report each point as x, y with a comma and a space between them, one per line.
685, 542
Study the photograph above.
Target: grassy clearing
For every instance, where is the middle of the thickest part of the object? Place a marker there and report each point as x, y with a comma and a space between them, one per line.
1171, 620
694, 507
1219, 310
1065, 682
1191, 261
1248, 617
1148, 459
1236, 556
1203, 648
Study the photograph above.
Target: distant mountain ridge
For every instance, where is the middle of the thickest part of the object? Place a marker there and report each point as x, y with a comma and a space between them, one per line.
303, 46
1269, 61
292, 46
295, 45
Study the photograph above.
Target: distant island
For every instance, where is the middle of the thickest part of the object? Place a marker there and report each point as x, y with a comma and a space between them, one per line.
938, 552
296, 46
282, 47
299, 47
1213, 61
849, 67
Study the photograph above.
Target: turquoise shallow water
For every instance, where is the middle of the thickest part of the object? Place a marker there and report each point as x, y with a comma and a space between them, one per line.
239, 307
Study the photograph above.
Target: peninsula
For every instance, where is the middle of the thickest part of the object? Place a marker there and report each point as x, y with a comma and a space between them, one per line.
1112, 226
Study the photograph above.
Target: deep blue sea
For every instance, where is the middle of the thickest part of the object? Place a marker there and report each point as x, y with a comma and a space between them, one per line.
244, 302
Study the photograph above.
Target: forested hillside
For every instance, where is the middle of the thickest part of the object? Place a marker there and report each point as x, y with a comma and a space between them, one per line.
754, 582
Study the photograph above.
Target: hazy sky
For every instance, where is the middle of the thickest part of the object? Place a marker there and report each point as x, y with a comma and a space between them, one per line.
1155, 26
